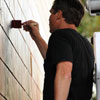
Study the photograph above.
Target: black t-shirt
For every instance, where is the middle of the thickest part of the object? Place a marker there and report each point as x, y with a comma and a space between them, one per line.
69, 45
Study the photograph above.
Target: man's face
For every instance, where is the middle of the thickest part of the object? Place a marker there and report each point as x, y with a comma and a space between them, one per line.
52, 21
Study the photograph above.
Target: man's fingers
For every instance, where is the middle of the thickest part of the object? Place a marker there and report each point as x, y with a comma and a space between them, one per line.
30, 26
33, 24
27, 28
29, 22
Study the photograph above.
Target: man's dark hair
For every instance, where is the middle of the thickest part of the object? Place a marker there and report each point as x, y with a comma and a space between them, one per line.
73, 10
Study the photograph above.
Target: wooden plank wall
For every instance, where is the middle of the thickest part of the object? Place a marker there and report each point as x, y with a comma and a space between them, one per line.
21, 64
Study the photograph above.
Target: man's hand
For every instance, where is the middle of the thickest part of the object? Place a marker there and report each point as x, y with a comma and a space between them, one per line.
33, 28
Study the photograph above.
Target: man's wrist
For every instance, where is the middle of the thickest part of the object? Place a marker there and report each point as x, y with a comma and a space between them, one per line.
38, 38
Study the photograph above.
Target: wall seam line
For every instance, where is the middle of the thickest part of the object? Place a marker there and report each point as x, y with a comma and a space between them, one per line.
22, 62
3, 96
15, 78
23, 37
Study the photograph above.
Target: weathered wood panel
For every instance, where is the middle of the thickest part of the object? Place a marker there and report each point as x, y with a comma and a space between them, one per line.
16, 67
12, 90
11, 58
2, 98
36, 55
17, 40
22, 34
21, 64
14, 35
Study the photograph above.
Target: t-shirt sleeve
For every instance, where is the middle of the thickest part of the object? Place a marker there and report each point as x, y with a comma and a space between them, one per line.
61, 50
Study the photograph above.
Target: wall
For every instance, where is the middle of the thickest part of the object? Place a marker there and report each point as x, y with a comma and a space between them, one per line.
21, 64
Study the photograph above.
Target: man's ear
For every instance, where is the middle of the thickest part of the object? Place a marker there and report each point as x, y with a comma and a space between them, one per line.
59, 14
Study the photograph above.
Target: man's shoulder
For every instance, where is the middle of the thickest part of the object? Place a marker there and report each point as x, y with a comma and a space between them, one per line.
64, 33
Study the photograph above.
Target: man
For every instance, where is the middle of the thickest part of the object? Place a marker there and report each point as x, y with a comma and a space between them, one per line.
69, 58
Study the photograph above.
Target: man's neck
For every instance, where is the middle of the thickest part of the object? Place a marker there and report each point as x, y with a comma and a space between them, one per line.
65, 25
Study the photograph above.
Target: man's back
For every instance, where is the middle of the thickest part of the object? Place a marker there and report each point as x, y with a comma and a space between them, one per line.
68, 45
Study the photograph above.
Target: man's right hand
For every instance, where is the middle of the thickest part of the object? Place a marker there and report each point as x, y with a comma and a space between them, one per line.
33, 28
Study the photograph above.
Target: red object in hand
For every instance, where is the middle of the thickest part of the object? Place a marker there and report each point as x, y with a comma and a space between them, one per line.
16, 24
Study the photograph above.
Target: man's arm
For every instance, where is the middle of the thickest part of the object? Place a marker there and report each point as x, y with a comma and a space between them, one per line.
62, 80
33, 28
42, 46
